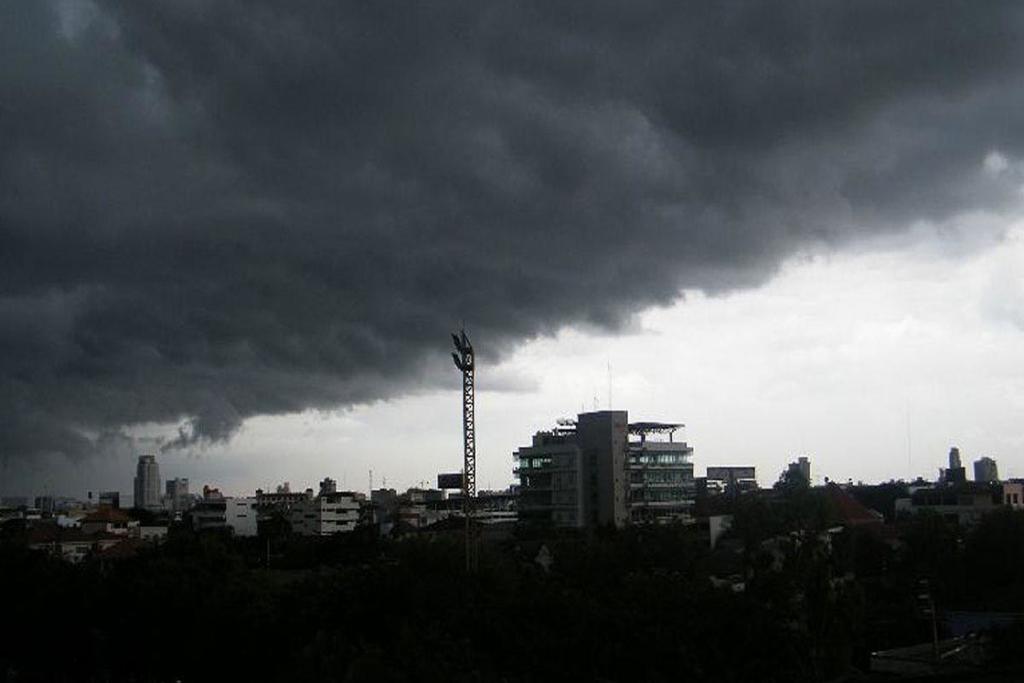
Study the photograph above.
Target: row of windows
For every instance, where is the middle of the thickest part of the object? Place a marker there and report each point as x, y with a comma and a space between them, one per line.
534, 463
661, 477
659, 459
658, 496
562, 461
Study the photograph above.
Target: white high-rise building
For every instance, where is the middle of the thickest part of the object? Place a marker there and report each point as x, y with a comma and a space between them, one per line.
147, 483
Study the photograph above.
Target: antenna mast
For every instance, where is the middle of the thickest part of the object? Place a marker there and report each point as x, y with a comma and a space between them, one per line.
609, 385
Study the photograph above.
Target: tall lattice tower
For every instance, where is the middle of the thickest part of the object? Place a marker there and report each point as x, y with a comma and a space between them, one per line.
464, 362
463, 357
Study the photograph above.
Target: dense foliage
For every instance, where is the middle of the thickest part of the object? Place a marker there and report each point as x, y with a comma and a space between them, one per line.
618, 606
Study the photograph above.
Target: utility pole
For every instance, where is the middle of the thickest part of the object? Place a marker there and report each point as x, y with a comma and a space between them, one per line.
464, 361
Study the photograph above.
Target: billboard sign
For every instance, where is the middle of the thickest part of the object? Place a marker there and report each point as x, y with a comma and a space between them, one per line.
450, 481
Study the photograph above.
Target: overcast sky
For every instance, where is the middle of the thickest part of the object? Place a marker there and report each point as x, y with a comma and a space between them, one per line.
237, 234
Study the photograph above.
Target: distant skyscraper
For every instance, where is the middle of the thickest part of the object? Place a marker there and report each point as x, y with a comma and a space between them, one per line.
985, 470
147, 483
956, 474
177, 494
801, 468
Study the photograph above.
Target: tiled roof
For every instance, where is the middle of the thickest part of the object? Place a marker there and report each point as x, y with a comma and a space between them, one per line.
107, 515
51, 533
849, 510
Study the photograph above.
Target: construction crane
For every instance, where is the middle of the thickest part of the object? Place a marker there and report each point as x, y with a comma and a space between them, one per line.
463, 357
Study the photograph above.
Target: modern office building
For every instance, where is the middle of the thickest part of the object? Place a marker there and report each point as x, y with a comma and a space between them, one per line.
603, 438
955, 474
954, 458
602, 470
147, 483
801, 468
110, 499
662, 488
177, 498
985, 470
550, 473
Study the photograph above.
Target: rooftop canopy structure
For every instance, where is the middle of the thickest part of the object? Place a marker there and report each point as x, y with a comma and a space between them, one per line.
642, 429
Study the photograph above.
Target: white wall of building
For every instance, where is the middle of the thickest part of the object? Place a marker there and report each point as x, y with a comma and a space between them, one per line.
240, 515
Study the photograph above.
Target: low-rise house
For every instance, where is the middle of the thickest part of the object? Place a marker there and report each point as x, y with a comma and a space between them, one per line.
964, 503
151, 534
70, 544
1013, 494
850, 512
108, 520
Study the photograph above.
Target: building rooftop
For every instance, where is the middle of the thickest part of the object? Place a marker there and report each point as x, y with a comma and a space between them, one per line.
654, 427
107, 515
849, 510
55, 534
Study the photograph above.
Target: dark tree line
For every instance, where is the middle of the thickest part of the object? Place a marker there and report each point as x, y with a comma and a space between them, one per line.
624, 605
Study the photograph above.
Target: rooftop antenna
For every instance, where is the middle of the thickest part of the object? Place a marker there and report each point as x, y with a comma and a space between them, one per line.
609, 385
371, 481
464, 361
909, 466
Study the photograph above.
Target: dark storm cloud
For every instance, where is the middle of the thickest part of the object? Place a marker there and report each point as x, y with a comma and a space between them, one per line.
210, 211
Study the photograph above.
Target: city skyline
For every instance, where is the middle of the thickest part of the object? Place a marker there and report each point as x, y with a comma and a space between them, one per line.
734, 293
797, 233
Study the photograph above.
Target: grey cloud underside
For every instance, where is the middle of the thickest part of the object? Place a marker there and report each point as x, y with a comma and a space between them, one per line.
210, 211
